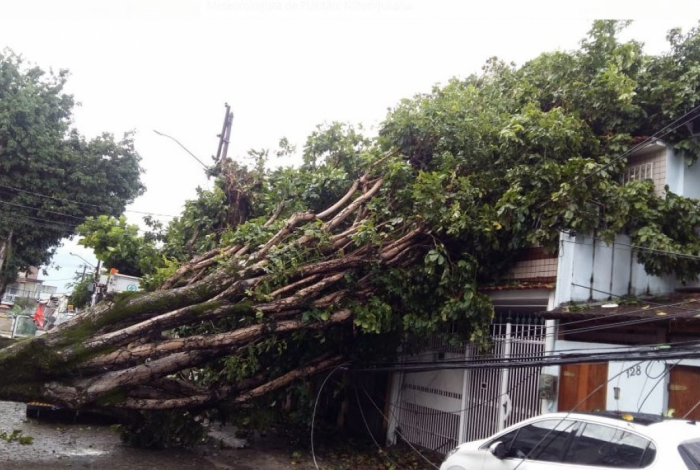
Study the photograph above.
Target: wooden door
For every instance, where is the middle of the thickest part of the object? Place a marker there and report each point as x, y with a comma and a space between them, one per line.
684, 392
577, 381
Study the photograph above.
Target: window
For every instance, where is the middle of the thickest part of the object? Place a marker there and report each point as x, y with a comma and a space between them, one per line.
606, 446
690, 453
544, 440
642, 172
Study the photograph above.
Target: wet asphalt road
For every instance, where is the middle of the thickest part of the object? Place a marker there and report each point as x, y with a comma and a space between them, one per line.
78, 446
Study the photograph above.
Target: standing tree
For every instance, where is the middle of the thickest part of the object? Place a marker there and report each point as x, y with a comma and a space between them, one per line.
370, 244
51, 178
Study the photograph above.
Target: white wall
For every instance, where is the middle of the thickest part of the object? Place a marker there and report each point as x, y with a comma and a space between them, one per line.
589, 269
675, 172
691, 180
422, 388
643, 387
682, 179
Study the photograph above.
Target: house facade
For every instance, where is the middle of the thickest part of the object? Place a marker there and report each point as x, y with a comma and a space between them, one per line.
594, 313
27, 286
441, 408
579, 288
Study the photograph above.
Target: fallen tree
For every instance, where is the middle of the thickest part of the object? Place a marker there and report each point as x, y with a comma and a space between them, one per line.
371, 245
115, 355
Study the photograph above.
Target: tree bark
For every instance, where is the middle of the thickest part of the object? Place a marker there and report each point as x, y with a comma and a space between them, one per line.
128, 351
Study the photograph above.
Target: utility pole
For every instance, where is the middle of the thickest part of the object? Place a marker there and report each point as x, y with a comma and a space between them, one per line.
225, 136
82, 278
96, 285
4, 249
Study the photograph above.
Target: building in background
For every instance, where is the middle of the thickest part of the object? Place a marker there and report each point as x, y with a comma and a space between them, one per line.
27, 286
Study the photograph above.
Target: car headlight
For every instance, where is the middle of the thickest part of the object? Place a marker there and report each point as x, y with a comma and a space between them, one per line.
452, 452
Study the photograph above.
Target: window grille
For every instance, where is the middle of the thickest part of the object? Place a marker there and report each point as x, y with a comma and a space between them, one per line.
642, 172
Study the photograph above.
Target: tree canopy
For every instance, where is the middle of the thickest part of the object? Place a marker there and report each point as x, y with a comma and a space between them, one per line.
51, 177
373, 244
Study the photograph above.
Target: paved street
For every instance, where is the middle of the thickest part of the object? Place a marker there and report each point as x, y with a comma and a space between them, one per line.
59, 446
78, 446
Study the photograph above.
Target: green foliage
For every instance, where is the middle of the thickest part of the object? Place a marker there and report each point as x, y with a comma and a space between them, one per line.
24, 306
503, 155
80, 296
16, 436
162, 430
118, 245
483, 166
41, 153
199, 228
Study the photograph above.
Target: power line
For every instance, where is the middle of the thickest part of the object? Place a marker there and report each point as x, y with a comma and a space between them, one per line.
644, 353
40, 209
658, 379
397, 432
622, 349
527, 360
36, 222
638, 247
369, 431
313, 414
72, 201
653, 138
569, 413
39, 222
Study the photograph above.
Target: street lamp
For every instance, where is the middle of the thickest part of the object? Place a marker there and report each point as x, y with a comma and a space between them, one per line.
183, 147
89, 263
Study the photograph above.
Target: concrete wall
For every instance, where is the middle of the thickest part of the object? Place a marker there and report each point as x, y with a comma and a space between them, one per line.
591, 270
691, 179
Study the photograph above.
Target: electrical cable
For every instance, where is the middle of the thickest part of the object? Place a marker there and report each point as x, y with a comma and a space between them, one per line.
610, 326
667, 371
369, 431
36, 219
42, 210
653, 250
184, 148
691, 410
566, 416
572, 350
72, 201
313, 414
621, 350
397, 431
653, 138
561, 359
617, 324
39, 222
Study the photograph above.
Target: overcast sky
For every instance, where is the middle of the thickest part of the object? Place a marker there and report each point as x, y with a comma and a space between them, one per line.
284, 66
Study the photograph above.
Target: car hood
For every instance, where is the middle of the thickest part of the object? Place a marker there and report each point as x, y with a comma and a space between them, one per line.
473, 445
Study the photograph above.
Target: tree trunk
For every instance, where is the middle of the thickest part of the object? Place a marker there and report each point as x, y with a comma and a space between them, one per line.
140, 351
4, 252
4, 249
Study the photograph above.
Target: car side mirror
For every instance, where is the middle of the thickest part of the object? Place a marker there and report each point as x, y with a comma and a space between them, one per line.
498, 449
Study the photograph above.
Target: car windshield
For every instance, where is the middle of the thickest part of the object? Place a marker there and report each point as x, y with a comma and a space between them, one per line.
690, 452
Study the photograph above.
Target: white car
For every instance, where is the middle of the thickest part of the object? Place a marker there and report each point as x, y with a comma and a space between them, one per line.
585, 441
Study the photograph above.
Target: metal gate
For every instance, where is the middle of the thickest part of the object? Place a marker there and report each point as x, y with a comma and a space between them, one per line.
438, 410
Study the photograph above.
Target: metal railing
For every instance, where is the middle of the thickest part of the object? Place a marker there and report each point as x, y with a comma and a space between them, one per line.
438, 410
